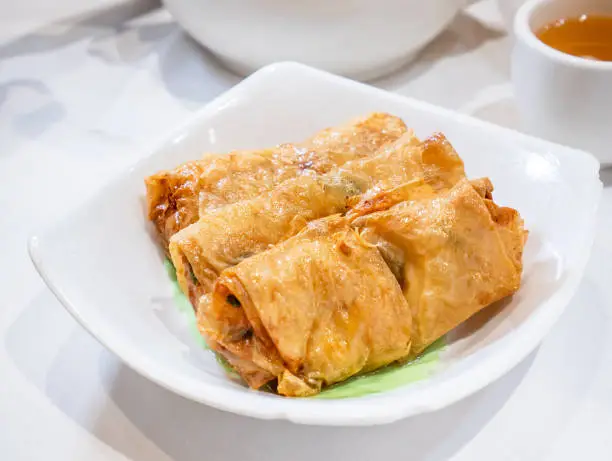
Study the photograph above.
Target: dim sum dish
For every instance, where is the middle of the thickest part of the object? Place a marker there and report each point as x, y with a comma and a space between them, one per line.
312, 249
343, 269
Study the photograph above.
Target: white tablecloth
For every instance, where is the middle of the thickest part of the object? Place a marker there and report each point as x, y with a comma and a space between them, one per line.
81, 100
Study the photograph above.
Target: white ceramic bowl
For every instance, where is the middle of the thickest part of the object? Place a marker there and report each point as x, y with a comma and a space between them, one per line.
106, 270
358, 38
561, 97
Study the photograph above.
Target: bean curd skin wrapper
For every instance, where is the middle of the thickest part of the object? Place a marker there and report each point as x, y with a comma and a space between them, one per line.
233, 233
312, 311
177, 198
453, 252
308, 264
224, 237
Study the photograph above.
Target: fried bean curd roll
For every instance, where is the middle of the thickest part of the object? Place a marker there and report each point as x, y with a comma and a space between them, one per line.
178, 197
309, 312
453, 252
434, 160
224, 237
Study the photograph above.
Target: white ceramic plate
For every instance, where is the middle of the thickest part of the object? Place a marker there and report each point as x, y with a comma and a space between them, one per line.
103, 265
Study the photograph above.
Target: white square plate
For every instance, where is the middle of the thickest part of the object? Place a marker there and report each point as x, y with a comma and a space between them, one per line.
105, 268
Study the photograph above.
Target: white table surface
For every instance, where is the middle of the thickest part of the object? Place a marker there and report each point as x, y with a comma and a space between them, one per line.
81, 100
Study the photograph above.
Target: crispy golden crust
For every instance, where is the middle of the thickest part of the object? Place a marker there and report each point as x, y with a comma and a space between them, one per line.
431, 164
177, 198
242, 356
172, 200
459, 253
295, 312
224, 237
303, 311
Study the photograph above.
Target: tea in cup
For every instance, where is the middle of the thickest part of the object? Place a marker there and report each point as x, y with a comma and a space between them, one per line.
562, 72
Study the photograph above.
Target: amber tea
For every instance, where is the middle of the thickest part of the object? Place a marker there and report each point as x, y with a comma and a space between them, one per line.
587, 36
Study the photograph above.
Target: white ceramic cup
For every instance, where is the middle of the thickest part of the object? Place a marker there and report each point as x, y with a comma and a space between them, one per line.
562, 97
363, 39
